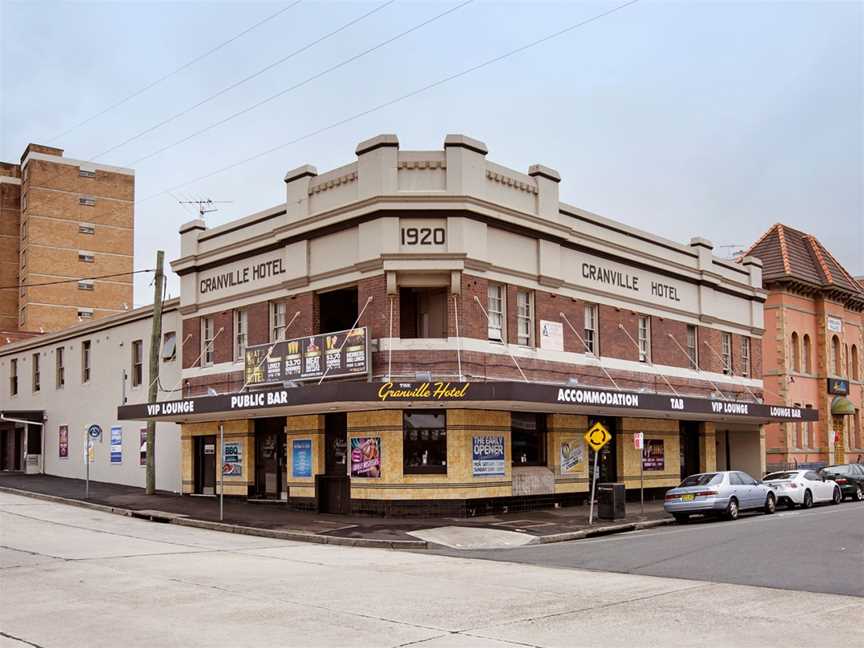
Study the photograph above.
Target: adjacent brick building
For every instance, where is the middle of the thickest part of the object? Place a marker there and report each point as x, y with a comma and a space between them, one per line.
63, 219
812, 348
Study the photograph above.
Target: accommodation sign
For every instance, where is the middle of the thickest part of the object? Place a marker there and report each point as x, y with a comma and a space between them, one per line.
330, 355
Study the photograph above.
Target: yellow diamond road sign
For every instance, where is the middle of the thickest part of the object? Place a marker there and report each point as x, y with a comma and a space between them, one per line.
597, 437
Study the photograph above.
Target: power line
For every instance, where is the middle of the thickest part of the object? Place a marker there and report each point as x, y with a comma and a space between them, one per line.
403, 97
62, 281
434, 84
244, 80
300, 84
175, 71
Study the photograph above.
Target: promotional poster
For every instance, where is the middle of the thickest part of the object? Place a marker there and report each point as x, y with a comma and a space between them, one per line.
366, 457
653, 457
572, 455
301, 458
63, 438
487, 456
116, 445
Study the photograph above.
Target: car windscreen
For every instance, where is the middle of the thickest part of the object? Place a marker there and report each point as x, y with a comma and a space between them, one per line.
705, 479
839, 470
780, 476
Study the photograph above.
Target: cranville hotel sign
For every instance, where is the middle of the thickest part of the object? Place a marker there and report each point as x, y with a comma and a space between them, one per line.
366, 395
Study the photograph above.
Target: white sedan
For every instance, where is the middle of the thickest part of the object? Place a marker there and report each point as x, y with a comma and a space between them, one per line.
802, 488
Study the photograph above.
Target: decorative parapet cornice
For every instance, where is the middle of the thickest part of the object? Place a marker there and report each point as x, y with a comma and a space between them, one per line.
422, 164
333, 182
509, 181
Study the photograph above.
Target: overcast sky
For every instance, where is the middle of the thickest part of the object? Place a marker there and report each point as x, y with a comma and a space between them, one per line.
713, 119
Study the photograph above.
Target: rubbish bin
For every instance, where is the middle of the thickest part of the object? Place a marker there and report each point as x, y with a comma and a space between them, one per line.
610, 501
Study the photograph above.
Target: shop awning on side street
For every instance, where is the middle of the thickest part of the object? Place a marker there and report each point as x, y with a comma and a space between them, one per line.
356, 396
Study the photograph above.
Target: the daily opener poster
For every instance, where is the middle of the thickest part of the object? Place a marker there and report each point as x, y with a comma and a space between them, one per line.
343, 353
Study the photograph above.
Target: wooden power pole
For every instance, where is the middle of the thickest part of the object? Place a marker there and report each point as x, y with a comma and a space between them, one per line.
155, 346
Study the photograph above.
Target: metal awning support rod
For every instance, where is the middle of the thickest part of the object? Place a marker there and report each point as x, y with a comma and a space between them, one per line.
270, 350
458, 339
696, 364
342, 346
200, 355
390, 342
720, 357
647, 358
589, 352
506, 347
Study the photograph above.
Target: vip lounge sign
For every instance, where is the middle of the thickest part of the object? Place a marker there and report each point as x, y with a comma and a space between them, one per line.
334, 355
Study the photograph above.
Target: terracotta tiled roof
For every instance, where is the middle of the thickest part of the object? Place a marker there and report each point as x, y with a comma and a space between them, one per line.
788, 253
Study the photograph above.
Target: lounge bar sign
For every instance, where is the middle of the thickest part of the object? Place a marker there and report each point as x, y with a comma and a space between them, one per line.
334, 355
550, 398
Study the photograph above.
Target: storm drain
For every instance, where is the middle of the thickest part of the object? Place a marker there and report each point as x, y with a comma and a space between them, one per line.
157, 516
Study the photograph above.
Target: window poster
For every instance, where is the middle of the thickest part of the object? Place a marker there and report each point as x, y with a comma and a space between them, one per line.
142, 447
301, 457
366, 457
653, 457
572, 456
116, 444
232, 464
487, 456
63, 442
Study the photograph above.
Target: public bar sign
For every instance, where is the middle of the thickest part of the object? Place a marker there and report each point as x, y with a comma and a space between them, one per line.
336, 355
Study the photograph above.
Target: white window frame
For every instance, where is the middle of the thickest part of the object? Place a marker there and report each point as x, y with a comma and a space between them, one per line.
278, 320
241, 333
693, 349
87, 201
137, 360
525, 317
13, 377
591, 328
644, 338
86, 228
86, 284
60, 367
726, 353
85, 313
496, 310
745, 356
86, 357
86, 257
207, 333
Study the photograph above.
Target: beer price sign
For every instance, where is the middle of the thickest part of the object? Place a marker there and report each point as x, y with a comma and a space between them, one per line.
339, 354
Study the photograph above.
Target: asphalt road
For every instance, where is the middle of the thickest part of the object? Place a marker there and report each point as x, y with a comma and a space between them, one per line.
73, 577
819, 550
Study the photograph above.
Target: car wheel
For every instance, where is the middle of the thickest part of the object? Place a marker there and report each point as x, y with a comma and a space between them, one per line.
808, 499
770, 504
732, 509
837, 497
859, 494
681, 518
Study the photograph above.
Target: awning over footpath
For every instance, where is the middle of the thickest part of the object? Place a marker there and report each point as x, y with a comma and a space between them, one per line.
354, 396
842, 406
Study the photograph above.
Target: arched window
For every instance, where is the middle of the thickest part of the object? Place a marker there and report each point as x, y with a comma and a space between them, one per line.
796, 353
808, 366
856, 368
836, 364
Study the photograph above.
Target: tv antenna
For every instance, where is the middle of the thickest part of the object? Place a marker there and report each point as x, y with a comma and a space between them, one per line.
205, 205
733, 251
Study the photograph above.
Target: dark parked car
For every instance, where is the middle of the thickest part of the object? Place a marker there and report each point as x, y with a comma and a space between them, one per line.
850, 478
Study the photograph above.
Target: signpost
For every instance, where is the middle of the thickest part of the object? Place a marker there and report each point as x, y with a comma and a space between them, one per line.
639, 444
93, 432
596, 437
221, 470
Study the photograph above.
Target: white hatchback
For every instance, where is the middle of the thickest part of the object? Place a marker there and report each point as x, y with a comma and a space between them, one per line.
802, 488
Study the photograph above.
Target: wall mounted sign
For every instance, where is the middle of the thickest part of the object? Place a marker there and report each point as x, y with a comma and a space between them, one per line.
339, 354
301, 458
487, 456
551, 335
365, 457
116, 444
267, 269
572, 456
653, 456
232, 463
142, 447
551, 398
834, 324
838, 386
63, 442
94, 432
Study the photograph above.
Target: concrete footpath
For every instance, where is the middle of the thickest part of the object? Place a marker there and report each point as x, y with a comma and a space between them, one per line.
276, 520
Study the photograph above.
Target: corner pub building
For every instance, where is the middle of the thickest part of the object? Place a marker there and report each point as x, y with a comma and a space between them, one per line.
428, 332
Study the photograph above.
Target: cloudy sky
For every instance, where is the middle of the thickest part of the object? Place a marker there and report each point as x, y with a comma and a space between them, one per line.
713, 119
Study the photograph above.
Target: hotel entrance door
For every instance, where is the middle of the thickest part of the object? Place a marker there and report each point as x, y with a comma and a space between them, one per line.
205, 465
269, 457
